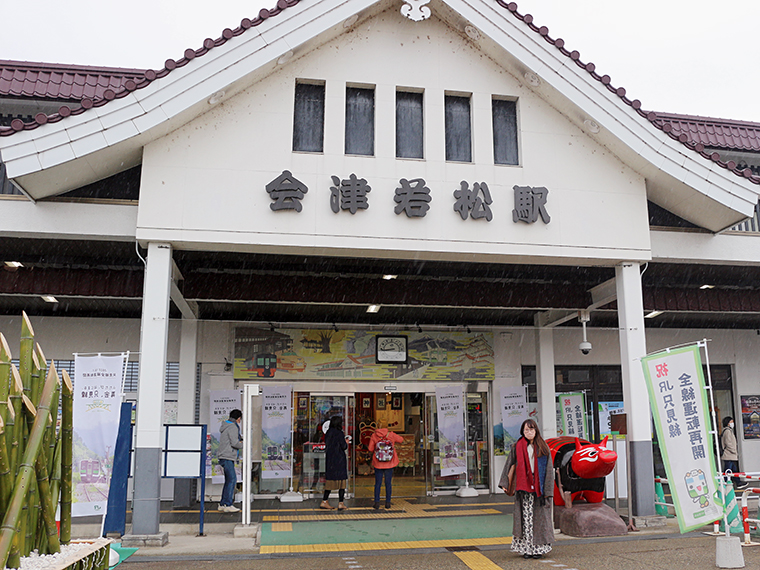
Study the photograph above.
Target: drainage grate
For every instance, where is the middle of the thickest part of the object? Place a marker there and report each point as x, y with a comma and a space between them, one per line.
461, 548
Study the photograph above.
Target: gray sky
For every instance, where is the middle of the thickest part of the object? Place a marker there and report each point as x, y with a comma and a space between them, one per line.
682, 56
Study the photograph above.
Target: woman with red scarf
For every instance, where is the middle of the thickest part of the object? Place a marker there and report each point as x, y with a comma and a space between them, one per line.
533, 528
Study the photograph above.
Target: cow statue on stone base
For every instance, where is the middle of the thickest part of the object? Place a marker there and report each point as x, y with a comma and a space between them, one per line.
582, 467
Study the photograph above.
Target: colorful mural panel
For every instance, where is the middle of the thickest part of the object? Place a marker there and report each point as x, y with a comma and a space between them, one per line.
288, 354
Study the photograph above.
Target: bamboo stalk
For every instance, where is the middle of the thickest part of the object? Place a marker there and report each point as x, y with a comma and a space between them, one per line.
6, 490
25, 356
34, 391
24, 478
6, 382
67, 423
32, 501
5, 377
17, 391
55, 472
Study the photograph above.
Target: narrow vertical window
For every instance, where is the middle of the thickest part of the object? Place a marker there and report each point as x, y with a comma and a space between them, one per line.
504, 131
360, 121
409, 125
309, 118
458, 129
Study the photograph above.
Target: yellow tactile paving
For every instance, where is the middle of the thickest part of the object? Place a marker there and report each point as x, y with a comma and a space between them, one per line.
282, 527
476, 561
403, 545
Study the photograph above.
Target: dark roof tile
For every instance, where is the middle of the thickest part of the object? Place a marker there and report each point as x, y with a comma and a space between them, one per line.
673, 125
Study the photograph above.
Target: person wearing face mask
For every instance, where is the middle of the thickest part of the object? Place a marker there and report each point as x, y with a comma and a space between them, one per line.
730, 454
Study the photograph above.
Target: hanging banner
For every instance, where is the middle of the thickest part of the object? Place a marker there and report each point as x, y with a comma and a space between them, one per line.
573, 411
221, 403
451, 443
276, 431
679, 406
514, 411
97, 405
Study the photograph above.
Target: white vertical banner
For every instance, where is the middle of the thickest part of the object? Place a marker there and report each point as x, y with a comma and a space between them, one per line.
221, 403
451, 444
276, 431
514, 411
679, 407
573, 410
97, 404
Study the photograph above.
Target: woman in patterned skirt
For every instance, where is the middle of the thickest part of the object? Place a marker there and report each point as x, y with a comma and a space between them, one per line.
533, 527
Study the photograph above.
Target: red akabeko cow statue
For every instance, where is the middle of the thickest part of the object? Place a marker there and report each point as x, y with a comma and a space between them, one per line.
582, 468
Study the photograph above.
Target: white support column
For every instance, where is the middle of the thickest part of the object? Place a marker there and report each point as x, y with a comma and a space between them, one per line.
188, 350
632, 348
547, 410
150, 392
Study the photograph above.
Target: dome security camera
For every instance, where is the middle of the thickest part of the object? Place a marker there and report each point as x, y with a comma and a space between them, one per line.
585, 347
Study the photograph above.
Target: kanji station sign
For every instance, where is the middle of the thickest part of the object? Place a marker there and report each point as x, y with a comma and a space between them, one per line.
412, 197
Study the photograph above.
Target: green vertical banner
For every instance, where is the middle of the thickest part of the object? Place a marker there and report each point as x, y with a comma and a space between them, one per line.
572, 408
679, 405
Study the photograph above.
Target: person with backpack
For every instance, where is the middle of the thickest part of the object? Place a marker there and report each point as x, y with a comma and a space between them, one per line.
384, 459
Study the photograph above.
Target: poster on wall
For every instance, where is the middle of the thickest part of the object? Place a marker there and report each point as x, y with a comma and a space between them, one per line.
291, 354
514, 411
751, 417
679, 404
573, 415
451, 444
606, 411
97, 404
221, 403
276, 434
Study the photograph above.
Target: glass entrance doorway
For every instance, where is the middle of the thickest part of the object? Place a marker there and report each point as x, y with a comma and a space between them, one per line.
412, 415
402, 413
477, 446
312, 417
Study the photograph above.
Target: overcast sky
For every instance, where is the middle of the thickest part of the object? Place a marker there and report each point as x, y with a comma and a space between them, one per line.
682, 56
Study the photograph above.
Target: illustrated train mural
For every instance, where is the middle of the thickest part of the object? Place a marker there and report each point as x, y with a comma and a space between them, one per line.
582, 468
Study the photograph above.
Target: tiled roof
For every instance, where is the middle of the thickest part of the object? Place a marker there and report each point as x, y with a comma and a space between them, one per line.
57, 81
147, 77
715, 133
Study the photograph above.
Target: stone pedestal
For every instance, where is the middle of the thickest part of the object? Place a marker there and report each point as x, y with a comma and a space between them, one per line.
246, 531
728, 552
589, 519
143, 540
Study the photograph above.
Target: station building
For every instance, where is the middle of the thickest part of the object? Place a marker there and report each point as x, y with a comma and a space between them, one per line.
450, 174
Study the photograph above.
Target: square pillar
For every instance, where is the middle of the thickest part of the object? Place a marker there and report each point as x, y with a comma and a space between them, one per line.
635, 395
545, 382
188, 350
154, 334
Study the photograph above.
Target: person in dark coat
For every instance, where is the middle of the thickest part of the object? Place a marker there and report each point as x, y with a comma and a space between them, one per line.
533, 527
336, 465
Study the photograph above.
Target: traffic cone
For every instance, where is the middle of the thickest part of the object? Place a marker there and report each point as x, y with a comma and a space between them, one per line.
732, 512
660, 494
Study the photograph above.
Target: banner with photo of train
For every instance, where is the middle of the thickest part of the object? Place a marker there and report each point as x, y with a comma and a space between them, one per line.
97, 405
514, 411
451, 444
276, 431
221, 403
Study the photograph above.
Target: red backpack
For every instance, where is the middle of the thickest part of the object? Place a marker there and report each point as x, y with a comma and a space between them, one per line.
384, 450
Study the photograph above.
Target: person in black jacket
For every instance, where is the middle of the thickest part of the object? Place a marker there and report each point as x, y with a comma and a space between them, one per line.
336, 465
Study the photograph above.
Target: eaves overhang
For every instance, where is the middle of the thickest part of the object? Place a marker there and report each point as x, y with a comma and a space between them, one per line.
55, 157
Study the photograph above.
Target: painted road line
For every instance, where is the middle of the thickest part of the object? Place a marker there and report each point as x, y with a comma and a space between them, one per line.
476, 561
364, 546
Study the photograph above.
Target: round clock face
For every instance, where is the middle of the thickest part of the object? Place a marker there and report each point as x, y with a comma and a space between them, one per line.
391, 349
